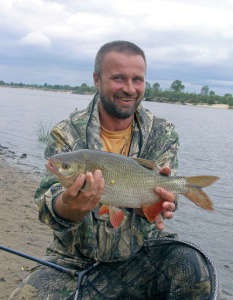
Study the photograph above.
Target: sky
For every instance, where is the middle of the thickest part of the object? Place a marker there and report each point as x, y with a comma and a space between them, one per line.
55, 41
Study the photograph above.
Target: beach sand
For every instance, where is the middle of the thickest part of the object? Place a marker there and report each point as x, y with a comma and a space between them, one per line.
20, 228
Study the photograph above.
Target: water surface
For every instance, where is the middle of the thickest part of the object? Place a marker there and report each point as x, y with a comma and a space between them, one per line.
206, 149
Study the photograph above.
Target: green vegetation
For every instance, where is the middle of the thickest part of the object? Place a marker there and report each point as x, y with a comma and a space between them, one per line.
43, 132
82, 89
175, 94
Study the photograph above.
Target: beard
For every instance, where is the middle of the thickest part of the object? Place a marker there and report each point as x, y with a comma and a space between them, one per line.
118, 112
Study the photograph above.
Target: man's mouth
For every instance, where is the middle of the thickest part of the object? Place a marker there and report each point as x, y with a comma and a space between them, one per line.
126, 99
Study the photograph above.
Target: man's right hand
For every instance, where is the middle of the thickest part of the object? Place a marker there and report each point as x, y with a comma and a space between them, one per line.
74, 203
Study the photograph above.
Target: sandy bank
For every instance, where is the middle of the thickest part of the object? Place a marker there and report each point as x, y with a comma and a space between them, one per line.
20, 228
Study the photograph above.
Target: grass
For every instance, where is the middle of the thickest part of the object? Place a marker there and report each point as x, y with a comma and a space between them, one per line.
43, 132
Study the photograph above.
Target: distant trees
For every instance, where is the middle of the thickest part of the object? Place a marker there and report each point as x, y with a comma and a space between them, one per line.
205, 90
153, 92
177, 86
176, 94
83, 89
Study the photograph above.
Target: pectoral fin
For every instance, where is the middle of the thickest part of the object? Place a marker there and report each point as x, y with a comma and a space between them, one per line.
116, 214
104, 209
152, 210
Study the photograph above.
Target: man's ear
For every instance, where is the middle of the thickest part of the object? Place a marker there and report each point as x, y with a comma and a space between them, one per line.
96, 80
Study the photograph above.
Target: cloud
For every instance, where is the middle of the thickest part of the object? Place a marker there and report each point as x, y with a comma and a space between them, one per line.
187, 40
36, 38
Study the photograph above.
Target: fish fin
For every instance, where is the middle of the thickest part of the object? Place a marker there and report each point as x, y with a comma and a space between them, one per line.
200, 198
152, 210
149, 164
195, 193
201, 181
116, 216
104, 209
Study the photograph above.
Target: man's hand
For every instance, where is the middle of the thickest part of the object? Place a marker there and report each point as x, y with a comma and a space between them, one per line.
168, 201
74, 203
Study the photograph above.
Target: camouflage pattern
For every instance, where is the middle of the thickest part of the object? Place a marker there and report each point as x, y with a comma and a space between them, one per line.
94, 237
129, 268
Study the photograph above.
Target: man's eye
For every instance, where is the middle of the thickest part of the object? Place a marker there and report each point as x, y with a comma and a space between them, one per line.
138, 79
118, 78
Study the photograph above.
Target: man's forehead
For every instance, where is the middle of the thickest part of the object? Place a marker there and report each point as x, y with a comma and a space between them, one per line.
120, 60
117, 55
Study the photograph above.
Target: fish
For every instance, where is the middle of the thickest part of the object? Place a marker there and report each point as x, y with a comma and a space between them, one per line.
128, 182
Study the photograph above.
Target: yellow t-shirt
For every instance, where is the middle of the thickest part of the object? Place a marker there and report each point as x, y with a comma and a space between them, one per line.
117, 141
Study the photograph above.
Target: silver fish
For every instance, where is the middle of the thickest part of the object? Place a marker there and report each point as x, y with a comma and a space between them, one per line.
129, 182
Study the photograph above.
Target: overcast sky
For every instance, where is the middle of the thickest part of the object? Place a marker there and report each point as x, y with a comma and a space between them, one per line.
55, 41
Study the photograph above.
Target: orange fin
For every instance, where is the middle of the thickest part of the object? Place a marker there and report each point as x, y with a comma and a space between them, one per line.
201, 181
195, 194
104, 209
152, 210
116, 216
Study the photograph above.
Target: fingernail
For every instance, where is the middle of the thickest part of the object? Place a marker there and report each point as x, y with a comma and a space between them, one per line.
98, 173
158, 189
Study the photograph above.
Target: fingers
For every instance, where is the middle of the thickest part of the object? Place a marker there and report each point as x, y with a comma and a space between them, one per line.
86, 191
159, 222
93, 189
168, 206
164, 194
165, 171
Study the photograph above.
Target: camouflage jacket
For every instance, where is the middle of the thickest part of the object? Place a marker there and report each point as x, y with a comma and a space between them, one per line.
93, 238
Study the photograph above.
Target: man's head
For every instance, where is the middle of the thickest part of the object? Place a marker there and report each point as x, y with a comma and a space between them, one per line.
119, 77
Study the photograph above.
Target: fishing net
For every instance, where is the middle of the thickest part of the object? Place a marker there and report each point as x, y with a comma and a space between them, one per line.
163, 269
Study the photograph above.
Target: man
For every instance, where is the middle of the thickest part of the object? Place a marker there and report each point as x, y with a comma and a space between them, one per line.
133, 262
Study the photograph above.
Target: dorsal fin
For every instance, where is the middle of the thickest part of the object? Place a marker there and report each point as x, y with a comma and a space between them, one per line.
146, 163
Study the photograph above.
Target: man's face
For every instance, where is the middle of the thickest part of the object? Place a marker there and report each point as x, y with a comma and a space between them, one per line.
121, 84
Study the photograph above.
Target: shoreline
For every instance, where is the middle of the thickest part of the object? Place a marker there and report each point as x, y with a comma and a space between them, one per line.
218, 106
20, 228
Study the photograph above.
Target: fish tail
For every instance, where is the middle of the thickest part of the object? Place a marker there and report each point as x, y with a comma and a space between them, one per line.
195, 193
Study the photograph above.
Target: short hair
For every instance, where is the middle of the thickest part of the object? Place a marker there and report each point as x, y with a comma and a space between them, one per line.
118, 46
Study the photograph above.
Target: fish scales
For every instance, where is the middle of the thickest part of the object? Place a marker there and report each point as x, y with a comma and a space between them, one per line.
128, 183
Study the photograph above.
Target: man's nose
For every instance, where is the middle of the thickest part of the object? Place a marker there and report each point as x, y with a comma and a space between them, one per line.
129, 88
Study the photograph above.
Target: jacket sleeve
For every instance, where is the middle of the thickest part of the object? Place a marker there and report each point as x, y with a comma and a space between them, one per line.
163, 145
49, 188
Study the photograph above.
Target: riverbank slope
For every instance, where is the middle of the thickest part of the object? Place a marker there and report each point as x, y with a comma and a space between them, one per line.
20, 228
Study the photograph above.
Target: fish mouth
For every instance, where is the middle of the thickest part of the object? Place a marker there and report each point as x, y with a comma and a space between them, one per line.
52, 167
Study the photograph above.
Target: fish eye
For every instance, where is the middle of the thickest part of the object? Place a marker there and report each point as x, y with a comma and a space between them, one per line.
65, 166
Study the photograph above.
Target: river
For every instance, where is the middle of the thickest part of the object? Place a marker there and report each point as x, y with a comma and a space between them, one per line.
206, 138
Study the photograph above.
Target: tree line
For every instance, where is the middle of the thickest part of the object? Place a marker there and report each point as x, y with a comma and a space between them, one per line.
176, 94
153, 92
82, 89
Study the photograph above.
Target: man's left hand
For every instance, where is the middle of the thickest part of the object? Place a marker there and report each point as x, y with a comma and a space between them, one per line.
168, 201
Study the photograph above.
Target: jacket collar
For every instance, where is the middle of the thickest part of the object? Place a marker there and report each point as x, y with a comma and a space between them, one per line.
87, 123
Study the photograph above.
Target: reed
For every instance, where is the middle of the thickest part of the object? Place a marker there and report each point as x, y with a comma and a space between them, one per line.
43, 132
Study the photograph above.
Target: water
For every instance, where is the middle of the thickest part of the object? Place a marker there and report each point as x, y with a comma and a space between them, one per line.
206, 148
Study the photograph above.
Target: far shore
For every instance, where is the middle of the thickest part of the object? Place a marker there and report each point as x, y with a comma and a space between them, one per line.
221, 106
218, 106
